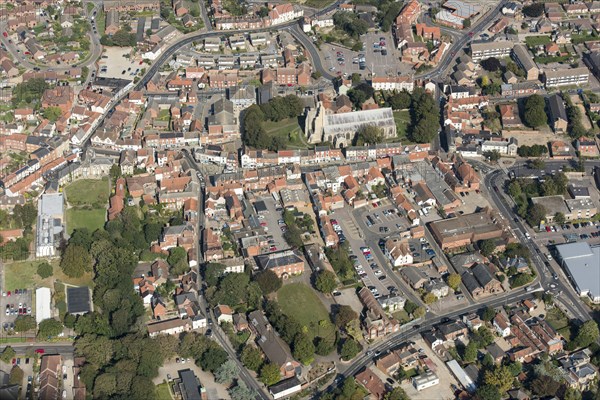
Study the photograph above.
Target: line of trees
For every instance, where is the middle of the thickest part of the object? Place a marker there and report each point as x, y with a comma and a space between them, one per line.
536, 150
575, 126
425, 117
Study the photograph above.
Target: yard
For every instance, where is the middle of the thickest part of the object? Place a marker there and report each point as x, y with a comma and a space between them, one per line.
87, 199
534, 41
288, 130
559, 321
300, 302
23, 274
163, 391
402, 119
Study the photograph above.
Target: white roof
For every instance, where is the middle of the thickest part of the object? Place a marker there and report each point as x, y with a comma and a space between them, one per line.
461, 375
43, 299
582, 263
52, 204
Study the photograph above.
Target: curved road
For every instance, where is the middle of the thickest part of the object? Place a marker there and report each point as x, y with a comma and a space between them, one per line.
441, 68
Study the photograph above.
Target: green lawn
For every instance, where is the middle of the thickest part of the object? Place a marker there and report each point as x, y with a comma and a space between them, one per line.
163, 391
299, 301
100, 21
87, 192
533, 41
88, 199
402, 316
288, 130
559, 321
23, 274
90, 7
402, 119
81, 218
318, 3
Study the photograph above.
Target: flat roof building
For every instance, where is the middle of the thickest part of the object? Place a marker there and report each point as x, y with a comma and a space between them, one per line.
566, 77
482, 50
78, 300
50, 224
581, 262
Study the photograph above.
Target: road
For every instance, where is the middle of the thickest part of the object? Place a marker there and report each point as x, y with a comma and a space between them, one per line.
52, 348
439, 72
218, 333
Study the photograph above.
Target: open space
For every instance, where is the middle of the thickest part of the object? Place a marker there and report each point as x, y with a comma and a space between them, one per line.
533, 41
402, 119
87, 199
163, 391
23, 274
288, 130
82, 218
302, 303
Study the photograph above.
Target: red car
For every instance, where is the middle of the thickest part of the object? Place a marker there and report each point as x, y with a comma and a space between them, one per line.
548, 229
39, 351
5, 34
263, 224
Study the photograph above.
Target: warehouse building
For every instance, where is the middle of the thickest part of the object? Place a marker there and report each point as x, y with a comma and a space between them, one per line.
581, 263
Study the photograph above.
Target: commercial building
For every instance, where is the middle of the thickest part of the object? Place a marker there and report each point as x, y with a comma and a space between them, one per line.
50, 224
482, 50
581, 262
523, 58
566, 77
188, 387
466, 229
283, 263
425, 380
79, 300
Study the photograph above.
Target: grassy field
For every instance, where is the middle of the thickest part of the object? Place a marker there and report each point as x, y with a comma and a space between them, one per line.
163, 391
559, 321
402, 119
533, 41
299, 301
288, 130
87, 192
23, 274
80, 218
88, 199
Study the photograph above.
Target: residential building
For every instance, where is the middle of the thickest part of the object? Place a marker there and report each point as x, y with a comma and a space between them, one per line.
566, 77
50, 376
498, 49
283, 263
285, 388
524, 59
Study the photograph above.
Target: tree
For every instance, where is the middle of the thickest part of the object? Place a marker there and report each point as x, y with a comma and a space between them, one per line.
400, 101
470, 352
535, 214
419, 312
344, 315
487, 361
396, 393
369, 134
429, 298
467, 23
410, 307
487, 247
587, 334
52, 113
45, 270
559, 218
251, 357
227, 372
534, 10
325, 281
355, 78
488, 314
75, 261
269, 374
303, 349
350, 348
492, 155
178, 260
49, 328
535, 114
360, 93
488, 392
268, 281
8, 354
323, 347
544, 386
241, 392
16, 376
500, 377
537, 163
24, 323
491, 64
454, 281
213, 358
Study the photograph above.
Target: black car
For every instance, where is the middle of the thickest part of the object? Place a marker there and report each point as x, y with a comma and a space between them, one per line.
208, 332
390, 381
382, 277
417, 327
